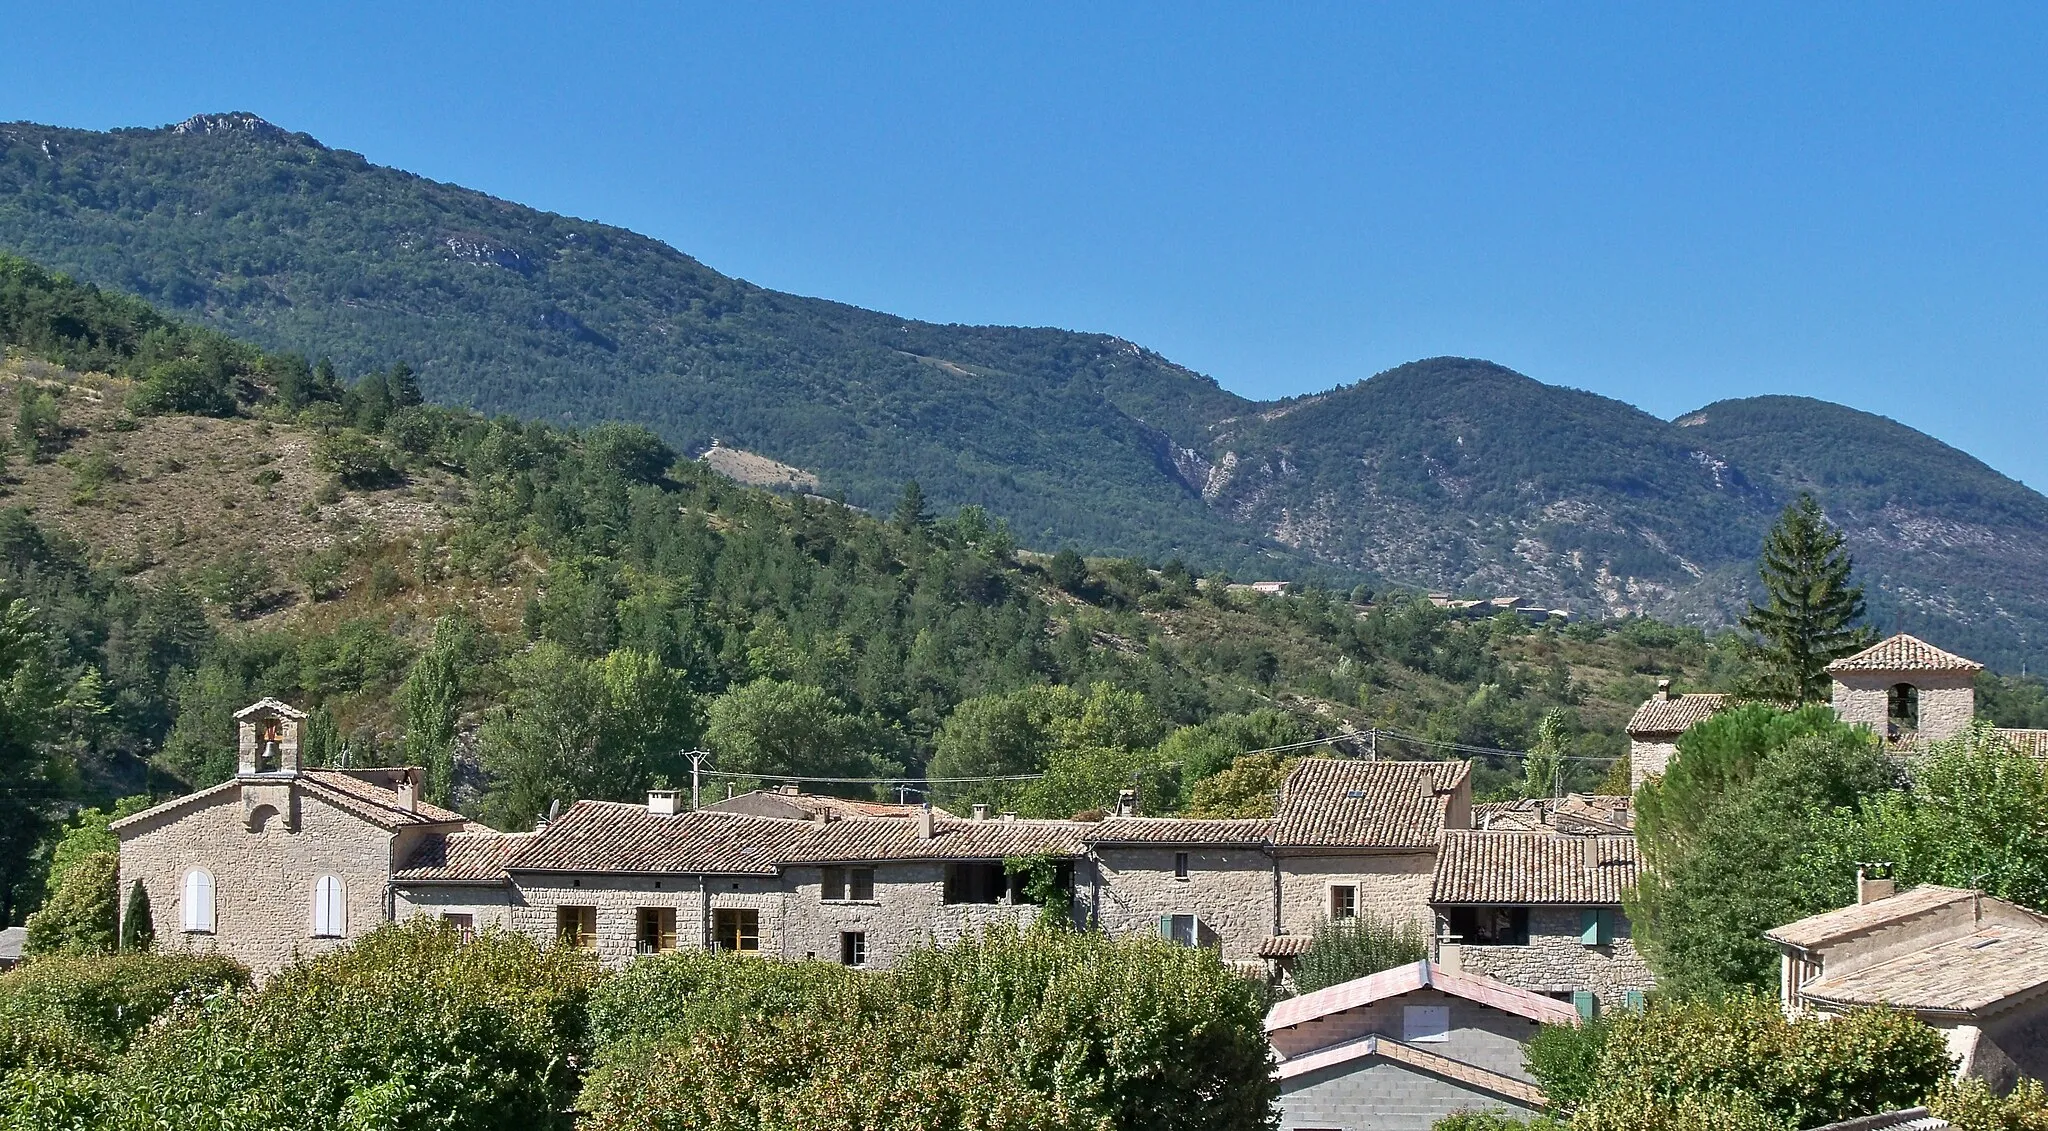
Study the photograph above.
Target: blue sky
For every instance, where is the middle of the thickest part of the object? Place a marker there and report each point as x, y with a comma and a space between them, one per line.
1666, 205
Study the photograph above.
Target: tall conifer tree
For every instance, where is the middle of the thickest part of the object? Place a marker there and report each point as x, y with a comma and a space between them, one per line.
1808, 618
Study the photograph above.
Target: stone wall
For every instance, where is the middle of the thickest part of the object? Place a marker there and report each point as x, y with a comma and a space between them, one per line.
535, 899
1647, 760
1481, 1035
1393, 886
1381, 1095
1947, 700
262, 880
1228, 890
487, 905
1556, 961
909, 911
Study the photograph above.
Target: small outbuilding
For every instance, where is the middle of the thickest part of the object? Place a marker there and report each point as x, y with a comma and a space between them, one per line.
1401, 1049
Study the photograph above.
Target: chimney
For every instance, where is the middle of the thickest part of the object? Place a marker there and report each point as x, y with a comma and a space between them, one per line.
1126, 802
981, 810
408, 789
1592, 846
1871, 890
1664, 690
788, 789
1428, 781
924, 821
662, 802
1450, 956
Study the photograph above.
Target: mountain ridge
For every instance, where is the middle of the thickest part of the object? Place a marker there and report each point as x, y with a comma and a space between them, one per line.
1444, 473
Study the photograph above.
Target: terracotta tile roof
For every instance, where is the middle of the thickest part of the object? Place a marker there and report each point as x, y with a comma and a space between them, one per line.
613, 836
1676, 714
894, 838
345, 789
375, 800
1903, 653
1436, 1064
1176, 830
1328, 801
1413, 976
1577, 812
1828, 926
2032, 743
1905, 1119
1532, 868
1970, 974
1284, 946
463, 858
803, 806
275, 706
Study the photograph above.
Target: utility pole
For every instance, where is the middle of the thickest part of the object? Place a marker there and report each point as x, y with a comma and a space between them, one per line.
697, 759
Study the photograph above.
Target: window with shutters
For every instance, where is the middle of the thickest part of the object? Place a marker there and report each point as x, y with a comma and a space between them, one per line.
853, 948
1596, 926
462, 923
1587, 1005
330, 909
1183, 929
833, 883
737, 928
1343, 901
860, 884
197, 902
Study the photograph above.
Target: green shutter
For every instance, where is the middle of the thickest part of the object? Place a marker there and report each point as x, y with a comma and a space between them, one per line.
1634, 1000
1589, 926
1587, 1005
1607, 915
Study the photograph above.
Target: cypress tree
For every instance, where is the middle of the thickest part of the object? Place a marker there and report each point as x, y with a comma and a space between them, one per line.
138, 927
1808, 618
910, 512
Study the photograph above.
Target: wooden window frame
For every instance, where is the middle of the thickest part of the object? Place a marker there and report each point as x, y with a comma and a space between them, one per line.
744, 929
576, 925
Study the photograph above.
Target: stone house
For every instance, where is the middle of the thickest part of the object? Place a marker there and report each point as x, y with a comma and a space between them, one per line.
1906, 689
1202, 882
1971, 965
1653, 731
1361, 838
1401, 1049
280, 860
1542, 911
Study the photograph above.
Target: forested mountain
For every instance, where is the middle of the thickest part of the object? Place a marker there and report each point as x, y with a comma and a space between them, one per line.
1448, 474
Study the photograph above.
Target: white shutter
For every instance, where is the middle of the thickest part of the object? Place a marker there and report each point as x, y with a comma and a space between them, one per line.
330, 920
198, 901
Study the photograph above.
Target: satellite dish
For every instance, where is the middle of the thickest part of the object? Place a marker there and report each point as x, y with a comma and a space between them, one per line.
554, 808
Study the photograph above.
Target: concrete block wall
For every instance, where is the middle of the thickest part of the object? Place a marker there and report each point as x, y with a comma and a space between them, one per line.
1556, 961
262, 880
1481, 1035
1379, 1095
1229, 890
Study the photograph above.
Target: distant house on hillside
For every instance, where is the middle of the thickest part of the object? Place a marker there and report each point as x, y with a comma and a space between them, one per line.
1971, 965
1401, 1049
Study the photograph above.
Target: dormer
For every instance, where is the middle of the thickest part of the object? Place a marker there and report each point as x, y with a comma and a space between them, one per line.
1907, 690
269, 738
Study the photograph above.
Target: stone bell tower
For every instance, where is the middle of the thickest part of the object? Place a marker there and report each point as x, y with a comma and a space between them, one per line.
268, 762
1907, 690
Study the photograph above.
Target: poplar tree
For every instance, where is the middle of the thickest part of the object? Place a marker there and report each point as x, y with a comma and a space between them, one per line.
1808, 618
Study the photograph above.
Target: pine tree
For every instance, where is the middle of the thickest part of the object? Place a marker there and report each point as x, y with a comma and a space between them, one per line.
405, 387
1811, 607
138, 926
910, 513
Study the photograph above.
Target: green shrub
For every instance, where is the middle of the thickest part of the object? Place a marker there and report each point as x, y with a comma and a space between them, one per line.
67, 1011
408, 1028
82, 917
1565, 1060
1343, 949
1972, 1106
183, 385
356, 460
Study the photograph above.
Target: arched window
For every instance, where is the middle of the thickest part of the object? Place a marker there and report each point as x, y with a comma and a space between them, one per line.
197, 903
330, 909
1903, 705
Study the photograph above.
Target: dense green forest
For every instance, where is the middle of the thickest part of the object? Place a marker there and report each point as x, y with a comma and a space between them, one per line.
1447, 474
592, 584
